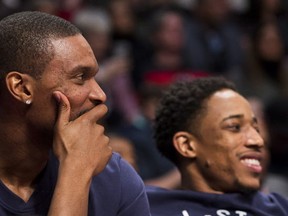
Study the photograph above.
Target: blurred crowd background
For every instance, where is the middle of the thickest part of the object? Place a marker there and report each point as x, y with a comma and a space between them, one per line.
142, 46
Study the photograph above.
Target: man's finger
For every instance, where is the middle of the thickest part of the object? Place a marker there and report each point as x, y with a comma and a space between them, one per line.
95, 113
63, 108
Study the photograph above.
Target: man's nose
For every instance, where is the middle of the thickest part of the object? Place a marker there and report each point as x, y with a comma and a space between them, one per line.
97, 93
254, 138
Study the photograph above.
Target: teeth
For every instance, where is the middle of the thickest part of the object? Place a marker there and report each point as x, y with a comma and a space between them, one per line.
253, 162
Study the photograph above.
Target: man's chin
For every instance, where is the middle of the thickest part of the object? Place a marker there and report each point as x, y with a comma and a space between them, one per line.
247, 189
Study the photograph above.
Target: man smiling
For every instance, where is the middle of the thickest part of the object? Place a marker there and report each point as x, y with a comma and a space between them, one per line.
51, 101
211, 134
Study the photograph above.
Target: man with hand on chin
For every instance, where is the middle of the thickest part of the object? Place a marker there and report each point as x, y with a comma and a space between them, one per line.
209, 131
51, 101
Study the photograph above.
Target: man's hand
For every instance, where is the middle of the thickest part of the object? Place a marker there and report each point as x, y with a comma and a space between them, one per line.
81, 142
83, 151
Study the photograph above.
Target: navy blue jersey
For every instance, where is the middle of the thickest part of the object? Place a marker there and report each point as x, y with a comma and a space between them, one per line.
117, 190
165, 202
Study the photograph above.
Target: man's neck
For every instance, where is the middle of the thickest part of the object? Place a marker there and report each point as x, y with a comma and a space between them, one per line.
22, 158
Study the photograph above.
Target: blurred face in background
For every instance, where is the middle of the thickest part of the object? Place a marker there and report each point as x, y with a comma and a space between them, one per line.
122, 17
270, 44
170, 35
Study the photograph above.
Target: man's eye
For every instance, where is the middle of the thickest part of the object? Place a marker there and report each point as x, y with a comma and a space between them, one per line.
80, 76
234, 127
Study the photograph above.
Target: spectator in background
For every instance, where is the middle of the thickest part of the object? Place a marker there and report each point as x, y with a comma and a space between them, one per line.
214, 41
262, 11
211, 134
166, 57
266, 64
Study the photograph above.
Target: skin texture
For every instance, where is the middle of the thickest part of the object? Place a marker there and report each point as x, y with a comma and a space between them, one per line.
72, 73
228, 134
66, 106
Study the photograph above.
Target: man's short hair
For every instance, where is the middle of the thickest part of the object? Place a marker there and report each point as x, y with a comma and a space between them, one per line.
25, 41
180, 108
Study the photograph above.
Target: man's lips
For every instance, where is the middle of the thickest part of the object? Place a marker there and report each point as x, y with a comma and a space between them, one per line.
253, 161
253, 164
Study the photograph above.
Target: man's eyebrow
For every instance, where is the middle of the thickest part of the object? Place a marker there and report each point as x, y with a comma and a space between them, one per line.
84, 69
254, 119
238, 116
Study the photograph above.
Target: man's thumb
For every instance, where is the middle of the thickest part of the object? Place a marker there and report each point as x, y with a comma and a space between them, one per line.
63, 108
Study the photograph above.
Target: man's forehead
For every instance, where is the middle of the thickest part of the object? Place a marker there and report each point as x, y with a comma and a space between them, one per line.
70, 43
227, 102
74, 49
225, 93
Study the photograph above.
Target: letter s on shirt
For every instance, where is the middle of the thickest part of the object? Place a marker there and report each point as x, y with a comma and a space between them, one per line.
223, 212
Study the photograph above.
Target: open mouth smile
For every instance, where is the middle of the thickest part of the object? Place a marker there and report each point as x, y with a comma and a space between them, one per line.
253, 164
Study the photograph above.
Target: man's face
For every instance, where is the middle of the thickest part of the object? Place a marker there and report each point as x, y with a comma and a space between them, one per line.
72, 72
230, 151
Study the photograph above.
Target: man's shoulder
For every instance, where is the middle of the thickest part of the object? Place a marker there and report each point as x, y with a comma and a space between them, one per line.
165, 201
273, 197
119, 171
116, 165
121, 185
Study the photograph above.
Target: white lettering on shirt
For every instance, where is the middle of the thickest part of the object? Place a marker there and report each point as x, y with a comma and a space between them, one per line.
222, 212
185, 213
241, 213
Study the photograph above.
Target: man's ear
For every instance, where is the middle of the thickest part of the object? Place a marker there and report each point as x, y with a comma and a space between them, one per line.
185, 144
20, 86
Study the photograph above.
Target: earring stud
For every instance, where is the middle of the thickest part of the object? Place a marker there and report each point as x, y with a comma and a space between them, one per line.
28, 102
